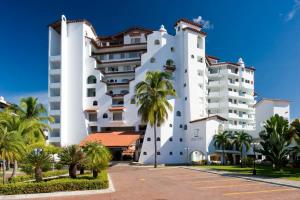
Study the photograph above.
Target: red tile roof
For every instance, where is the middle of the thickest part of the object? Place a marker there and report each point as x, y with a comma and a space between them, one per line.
217, 117
113, 139
117, 108
91, 110
194, 30
188, 22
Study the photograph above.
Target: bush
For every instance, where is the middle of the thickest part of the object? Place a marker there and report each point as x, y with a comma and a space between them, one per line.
247, 161
30, 177
58, 166
61, 184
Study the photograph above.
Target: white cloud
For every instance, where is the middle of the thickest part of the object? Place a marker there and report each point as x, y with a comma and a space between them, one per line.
293, 12
205, 23
15, 98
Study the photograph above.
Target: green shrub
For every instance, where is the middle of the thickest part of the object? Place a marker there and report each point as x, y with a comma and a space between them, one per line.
60, 184
45, 174
247, 161
58, 166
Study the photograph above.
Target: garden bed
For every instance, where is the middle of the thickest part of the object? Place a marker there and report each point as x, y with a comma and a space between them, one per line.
22, 178
83, 182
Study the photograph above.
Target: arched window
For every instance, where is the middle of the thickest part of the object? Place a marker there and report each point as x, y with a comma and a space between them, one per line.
105, 116
185, 127
91, 79
158, 139
178, 113
95, 103
199, 43
170, 62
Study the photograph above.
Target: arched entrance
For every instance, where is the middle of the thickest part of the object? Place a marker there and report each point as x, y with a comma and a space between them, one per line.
197, 156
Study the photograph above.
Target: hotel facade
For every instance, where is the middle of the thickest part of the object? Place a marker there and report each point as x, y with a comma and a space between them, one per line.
91, 91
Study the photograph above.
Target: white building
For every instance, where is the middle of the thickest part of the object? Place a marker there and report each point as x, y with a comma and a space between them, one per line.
3, 103
92, 80
266, 108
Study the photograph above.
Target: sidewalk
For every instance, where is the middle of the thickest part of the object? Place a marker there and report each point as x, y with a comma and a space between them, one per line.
275, 181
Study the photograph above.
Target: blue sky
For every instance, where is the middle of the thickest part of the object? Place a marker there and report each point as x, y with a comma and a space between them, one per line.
266, 34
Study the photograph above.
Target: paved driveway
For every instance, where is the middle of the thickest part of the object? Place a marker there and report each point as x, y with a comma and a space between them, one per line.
172, 183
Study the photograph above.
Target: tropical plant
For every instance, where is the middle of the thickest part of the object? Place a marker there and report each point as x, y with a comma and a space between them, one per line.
152, 98
222, 140
242, 139
276, 139
97, 157
295, 129
71, 155
38, 158
11, 145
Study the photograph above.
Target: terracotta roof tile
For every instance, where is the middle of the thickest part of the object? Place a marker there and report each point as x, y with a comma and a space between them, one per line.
113, 139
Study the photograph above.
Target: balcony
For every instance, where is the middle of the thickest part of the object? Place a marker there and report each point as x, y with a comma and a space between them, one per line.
214, 95
243, 127
213, 105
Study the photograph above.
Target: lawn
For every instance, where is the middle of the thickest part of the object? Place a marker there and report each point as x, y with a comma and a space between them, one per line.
288, 173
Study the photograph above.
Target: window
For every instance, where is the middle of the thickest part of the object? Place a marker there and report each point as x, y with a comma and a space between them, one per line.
178, 28
199, 42
95, 103
185, 71
111, 56
93, 128
156, 42
185, 98
170, 63
170, 125
93, 117
122, 55
135, 40
170, 153
180, 126
158, 139
152, 60
91, 92
192, 56
184, 85
181, 153
178, 113
170, 139
172, 49
185, 127
127, 68
117, 116
144, 153
196, 133
158, 153
180, 139
105, 116
148, 139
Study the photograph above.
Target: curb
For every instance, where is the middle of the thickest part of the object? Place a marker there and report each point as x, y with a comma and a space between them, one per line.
110, 189
258, 179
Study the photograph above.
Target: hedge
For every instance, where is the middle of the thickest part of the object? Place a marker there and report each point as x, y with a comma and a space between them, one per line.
30, 177
56, 185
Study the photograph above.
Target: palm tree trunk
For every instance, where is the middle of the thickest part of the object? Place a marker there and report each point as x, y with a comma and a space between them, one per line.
13, 174
155, 148
38, 174
3, 169
95, 173
241, 156
72, 170
223, 154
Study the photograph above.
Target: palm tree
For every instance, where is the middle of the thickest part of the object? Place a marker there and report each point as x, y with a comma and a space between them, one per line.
276, 139
241, 139
38, 158
11, 145
151, 95
221, 140
72, 156
97, 157
295, 130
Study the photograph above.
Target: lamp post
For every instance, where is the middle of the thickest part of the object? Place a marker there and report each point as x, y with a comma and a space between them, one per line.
187, 155
254, 164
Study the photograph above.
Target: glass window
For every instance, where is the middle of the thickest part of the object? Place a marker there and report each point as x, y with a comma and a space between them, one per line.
91, 80
156, 42
91, 92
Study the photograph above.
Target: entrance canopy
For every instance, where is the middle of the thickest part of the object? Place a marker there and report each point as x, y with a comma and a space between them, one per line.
113, 139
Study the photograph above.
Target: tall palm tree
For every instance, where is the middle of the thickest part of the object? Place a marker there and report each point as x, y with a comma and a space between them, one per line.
71, 155
242, 139
152, 98
276, 140
221, 140
97, 157
11, 145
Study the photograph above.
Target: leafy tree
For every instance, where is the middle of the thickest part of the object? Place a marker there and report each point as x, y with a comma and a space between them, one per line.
151, 95
242, 139
71, 155
276, 139
221, 140
38, 158
295, 130
97, 157
11, 145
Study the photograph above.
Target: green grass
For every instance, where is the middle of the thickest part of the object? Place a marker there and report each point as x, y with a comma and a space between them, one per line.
288, 173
